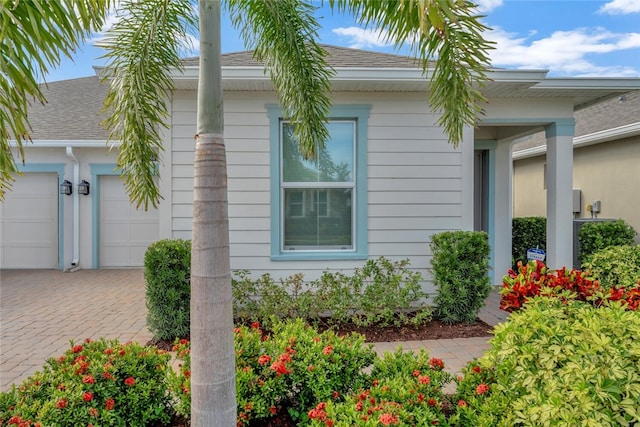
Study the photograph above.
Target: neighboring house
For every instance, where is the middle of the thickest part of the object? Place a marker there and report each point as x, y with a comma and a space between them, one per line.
387, 181
606, 163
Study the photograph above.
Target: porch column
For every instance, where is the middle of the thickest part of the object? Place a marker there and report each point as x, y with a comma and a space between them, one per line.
503, 210
559, 193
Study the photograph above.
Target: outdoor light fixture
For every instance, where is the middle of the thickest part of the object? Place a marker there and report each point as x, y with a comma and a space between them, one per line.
66, 188
83, 188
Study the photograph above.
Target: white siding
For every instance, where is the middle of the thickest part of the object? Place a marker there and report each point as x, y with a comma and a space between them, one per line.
414, 180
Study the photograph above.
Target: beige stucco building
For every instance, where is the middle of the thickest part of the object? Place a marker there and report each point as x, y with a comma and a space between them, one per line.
606, 164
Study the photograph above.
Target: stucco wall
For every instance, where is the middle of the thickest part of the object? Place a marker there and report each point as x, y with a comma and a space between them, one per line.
609, 172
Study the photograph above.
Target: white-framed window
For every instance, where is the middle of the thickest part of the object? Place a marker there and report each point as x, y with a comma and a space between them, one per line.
307, 185
319, 205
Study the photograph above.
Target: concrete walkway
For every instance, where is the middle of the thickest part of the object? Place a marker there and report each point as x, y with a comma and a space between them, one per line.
42, 310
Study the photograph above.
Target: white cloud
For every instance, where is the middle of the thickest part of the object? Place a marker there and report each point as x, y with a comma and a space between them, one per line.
485, 6
563, 52
360, 38
621, 7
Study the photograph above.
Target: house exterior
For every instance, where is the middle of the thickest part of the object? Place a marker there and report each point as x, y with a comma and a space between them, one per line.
387, 181
606, 163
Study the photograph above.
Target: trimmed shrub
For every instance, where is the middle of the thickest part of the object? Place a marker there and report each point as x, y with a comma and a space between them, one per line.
406, 390
288, 370
595, 236
102, 383
167, 272
615, 266
460, 267
556, 364
527, 233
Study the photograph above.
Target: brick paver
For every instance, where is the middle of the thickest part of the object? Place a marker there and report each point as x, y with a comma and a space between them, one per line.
41, 311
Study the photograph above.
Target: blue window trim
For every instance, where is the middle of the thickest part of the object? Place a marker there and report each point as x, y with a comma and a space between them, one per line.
97, 170
360, 113
57, 168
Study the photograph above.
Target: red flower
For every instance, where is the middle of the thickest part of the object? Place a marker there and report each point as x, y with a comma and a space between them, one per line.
482, 389
87, 396
416, 373
436, 363
62, 403
273, 410
77, 348
387, 419
318, 412
108, 351
462, 403
424, 379
327, 350
109, 404
93, 412
476, 369
264, 359
279, 367
88, 379
336, 394
255, 325
130, 381
432, 402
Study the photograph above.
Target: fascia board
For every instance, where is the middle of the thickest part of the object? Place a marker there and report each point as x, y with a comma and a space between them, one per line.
606, 135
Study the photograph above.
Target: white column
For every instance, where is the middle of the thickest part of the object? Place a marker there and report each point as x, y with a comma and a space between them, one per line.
467, 146
559, 193
503, 210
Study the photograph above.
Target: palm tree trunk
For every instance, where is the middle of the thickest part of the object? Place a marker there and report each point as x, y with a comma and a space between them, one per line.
212, 352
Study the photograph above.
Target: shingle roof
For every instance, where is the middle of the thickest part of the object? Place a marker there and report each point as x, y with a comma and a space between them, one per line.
609, 114
72, 111
338, 57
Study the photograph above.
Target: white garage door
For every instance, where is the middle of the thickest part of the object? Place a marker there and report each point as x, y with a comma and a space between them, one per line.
125, 232
29, 223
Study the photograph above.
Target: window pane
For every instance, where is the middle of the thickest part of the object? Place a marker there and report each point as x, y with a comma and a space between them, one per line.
334, 162
318, 218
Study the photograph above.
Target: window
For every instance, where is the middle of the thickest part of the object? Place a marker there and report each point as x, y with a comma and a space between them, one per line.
318, 205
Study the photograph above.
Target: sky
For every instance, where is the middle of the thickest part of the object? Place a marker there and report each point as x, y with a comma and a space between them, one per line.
569, 38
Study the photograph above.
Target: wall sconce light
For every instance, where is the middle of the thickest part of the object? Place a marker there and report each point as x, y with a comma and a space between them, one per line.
66, 188
83, 188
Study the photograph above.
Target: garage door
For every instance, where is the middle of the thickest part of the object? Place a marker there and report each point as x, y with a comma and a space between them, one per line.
29, 223
125, 232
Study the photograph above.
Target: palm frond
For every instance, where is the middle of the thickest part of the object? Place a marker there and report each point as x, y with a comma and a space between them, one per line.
143, 48
446, 37
283, 35
35, 36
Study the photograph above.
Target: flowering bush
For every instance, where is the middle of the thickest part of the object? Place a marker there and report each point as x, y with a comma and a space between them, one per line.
535, 279
288, 370
556, 363
93, 383
406, 390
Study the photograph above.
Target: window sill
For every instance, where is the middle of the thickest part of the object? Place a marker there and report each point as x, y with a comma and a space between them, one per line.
318, 256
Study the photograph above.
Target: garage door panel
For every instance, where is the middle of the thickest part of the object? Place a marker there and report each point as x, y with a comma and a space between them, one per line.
125, 232
29, 222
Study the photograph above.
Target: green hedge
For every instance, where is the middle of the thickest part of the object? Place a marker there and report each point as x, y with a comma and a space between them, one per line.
527, 233
615, 266
460, 267
556, 364
595, 236
167, 272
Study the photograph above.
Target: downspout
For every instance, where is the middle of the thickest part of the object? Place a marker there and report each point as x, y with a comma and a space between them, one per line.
76, 212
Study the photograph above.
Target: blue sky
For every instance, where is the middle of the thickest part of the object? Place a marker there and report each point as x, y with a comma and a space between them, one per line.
570, 38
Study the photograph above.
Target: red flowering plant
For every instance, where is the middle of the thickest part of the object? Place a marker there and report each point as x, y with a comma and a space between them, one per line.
405, 390
534, 279
94, 383
286, 371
